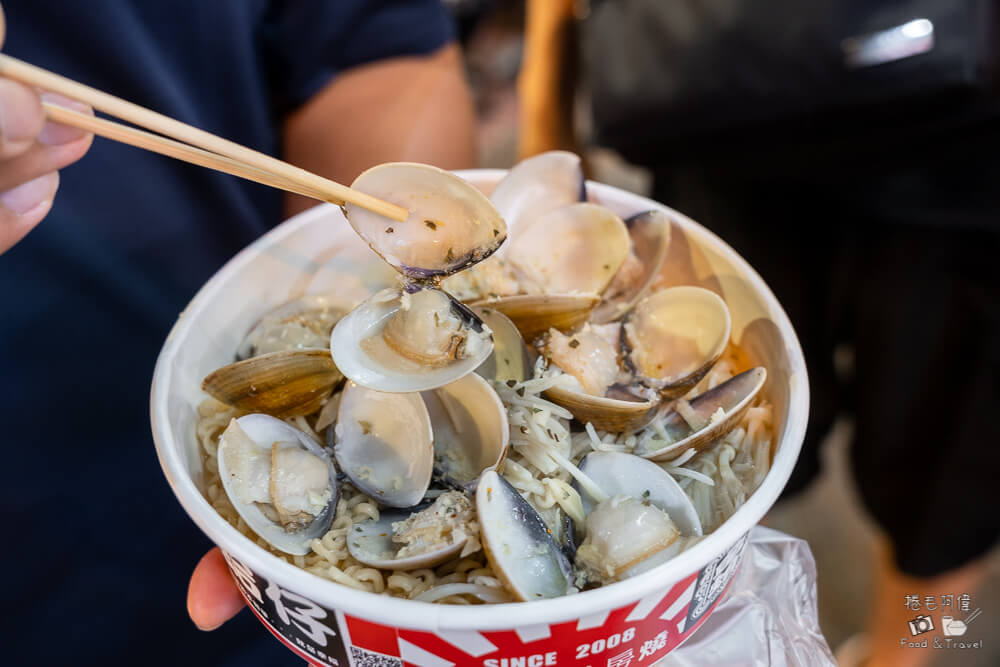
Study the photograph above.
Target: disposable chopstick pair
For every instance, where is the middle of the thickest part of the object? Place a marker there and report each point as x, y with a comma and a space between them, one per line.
185, 142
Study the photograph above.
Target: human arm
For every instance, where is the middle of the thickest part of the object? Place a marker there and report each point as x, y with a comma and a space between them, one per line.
415, 108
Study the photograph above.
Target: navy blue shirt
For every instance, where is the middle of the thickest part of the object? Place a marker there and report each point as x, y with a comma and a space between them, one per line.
97, 552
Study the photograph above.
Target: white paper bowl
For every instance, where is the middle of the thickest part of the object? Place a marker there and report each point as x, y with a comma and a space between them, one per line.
633, 622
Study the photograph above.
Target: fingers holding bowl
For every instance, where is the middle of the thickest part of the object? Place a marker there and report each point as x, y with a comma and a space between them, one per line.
212, 597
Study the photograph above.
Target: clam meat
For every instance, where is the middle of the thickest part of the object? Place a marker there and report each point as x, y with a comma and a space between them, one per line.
645, 514
423, 536
412, 339
673, 337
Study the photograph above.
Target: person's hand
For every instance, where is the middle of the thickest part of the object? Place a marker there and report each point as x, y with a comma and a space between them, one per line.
213, 597
32, 152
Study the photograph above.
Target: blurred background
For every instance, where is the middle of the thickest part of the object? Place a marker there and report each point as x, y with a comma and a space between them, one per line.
533, 93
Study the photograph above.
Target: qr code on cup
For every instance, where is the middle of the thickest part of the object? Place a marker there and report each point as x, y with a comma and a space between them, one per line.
363, 658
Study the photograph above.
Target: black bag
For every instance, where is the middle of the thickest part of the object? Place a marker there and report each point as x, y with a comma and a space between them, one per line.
662, 72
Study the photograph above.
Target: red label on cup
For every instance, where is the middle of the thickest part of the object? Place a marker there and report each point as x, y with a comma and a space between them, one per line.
634, 635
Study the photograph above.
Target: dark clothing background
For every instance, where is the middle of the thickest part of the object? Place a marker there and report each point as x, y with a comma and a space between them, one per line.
875, 219
98, 551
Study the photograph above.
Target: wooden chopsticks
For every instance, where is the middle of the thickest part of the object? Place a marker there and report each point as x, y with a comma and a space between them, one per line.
185, 142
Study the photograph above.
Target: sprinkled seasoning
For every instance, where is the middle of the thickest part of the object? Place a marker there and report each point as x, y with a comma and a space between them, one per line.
389, 230
574, 343
431, 224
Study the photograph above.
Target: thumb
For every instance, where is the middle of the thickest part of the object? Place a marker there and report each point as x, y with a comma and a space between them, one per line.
213, 597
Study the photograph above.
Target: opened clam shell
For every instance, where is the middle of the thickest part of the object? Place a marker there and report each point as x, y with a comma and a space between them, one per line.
280, 481
732, 397
510, 359
639, 523
576, 249
384, 444
409, 340
283, 384
534, 314
617, 473
537, 185
470, 429
451, 224
423, 536
673, 337
301, 324
649, 233
517, 542
589, 358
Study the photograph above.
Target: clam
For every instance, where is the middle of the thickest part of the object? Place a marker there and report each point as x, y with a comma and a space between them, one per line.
450, 227
537, 185
534, 314
384, 444
517, 542
710, 416
663, 347
280, 481
284, 384
590, 357
642, 518
558, 266
470, 428
576, 249
412, 339
510, 359
616, 474
673, 337
423, 536
304, 323
649, 233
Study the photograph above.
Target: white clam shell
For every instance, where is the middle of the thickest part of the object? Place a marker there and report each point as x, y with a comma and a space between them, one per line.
625, 474
518, 543
674, 336
377, 366
384, 444
471, 431
451, 224
370, 542
537, 185
265, 430
575, 249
